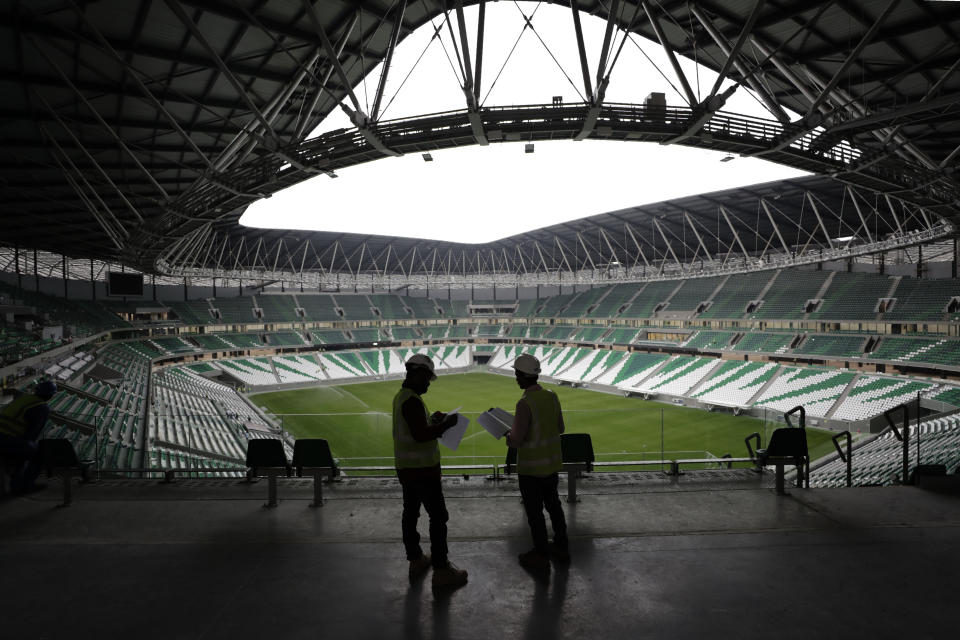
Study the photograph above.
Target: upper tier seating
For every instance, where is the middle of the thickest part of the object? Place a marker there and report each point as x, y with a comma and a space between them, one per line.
391, 306
404, 333
789, 293
278, 308
737, 292
368, 334
922, 299
583, 301
526, 308
355, 307
329, 336
193, 311
693, 292
236, 310
648, 298
86, 317
424, 308
853, 296
454, 308
318, 307
589, 334
618, 296
553, 306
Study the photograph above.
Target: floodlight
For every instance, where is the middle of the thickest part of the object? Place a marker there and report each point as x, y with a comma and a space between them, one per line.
427, 157
726, 158
528, 148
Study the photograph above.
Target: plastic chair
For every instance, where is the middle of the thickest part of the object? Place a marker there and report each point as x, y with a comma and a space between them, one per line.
314, 455
57, 457
268, 455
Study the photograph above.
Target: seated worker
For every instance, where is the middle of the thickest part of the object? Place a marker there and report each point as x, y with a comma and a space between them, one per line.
21, 423
417, 459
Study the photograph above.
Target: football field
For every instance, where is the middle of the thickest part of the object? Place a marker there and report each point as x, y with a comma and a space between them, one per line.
356, 421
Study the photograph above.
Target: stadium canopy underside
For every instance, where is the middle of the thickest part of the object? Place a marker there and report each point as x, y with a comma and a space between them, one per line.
139, 131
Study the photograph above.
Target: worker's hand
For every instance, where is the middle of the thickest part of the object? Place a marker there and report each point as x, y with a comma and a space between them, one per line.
506, 437
437, 417
449, 421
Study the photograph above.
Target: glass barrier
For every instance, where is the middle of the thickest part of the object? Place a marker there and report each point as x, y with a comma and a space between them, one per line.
648, 437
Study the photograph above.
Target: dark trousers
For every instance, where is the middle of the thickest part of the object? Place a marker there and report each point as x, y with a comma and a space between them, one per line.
539, 494
21, 455
423, 487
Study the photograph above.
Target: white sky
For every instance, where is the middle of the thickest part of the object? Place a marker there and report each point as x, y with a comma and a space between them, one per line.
478, 194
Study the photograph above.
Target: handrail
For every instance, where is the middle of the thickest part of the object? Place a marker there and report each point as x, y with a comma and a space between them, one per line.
846, 457
903, 436
751, 452
803, 416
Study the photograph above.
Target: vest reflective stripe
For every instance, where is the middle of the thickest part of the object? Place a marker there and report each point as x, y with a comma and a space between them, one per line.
13, 417
407, 452
540, 454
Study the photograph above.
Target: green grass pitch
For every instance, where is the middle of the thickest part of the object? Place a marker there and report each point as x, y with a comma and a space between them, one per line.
355, 419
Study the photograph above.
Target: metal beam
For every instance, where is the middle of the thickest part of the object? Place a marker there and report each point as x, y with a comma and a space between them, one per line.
776, 227
853, 56
691, 96
735, 51
581, 49
388, 59
816, 212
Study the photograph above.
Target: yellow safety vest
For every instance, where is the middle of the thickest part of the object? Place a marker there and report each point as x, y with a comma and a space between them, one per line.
407, 452
13, 417
540, 454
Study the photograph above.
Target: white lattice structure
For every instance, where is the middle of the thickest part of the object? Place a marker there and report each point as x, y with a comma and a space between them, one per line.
816, 389
735, 387
680, 378
872, 395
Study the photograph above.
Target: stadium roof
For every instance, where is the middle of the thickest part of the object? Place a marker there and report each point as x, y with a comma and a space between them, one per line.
140, 130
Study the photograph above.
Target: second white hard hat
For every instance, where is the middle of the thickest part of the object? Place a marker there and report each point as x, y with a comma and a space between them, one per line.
420, 360
526, 363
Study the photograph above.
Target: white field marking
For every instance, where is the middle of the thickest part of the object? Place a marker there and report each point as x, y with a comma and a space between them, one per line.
355, 398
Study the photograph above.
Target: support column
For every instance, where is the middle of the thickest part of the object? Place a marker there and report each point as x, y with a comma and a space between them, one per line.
64, 271
919, 260
36, 273
153, 285
16, 259
214, 280
185, 296
883, 262
953, 264
93, 283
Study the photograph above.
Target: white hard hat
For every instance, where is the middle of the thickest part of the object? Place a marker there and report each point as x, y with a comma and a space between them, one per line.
526, 363
420, 360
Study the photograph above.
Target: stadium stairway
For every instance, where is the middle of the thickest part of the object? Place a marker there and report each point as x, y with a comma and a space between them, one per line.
652, 557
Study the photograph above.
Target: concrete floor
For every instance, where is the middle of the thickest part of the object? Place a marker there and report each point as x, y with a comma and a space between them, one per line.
711, 555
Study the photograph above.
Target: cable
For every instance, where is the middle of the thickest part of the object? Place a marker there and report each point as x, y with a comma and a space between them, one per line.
436, 31
508, 57
559, 66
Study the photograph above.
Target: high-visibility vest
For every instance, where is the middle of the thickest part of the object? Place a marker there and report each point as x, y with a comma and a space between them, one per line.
407, 452
13, 417
540, 454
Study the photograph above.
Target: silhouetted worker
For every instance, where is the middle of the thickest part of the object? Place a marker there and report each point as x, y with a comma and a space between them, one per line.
537, 425
21, 423
417, 458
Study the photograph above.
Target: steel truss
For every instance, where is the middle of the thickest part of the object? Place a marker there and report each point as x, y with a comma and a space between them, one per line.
147, 149
729, 232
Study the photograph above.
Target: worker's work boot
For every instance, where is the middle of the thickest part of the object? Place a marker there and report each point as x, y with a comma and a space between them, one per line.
449, 576
419, 567
535, 561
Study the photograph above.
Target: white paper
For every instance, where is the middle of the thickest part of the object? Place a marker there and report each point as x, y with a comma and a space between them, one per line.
496, 421
451, 437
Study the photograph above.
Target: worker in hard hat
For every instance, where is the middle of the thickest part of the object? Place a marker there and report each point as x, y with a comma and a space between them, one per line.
417, 459
537, 425
21, 423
